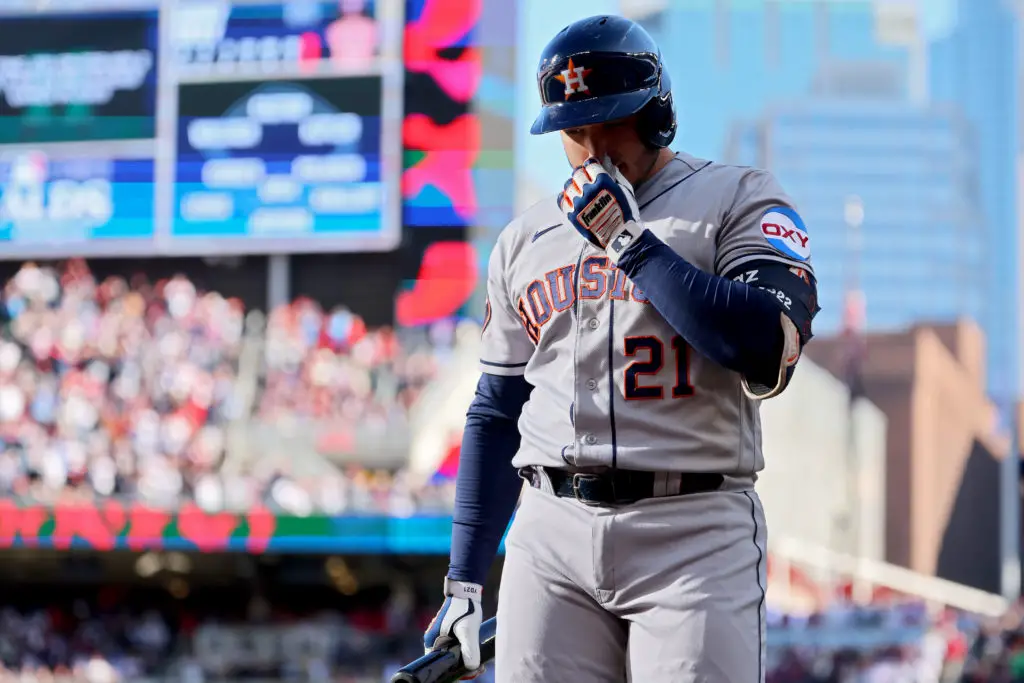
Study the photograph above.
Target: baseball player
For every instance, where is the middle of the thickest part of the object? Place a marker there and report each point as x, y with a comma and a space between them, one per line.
634, 322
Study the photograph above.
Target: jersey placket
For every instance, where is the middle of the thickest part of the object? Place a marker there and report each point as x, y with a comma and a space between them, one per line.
592, 390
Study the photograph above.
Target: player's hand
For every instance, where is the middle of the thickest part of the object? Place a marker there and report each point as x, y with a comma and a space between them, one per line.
458, 620
599, 202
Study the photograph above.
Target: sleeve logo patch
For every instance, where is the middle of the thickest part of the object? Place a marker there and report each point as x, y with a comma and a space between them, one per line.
785, 231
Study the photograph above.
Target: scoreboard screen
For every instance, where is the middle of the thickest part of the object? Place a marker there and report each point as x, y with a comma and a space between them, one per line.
200, 127
281, 159
78, 77
288, 128
74, 203
213, 37
78, 120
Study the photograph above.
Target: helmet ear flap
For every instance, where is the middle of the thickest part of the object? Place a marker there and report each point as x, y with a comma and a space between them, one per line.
658, 117
656, 123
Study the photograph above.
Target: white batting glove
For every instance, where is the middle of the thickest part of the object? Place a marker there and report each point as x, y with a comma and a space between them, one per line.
599, 202
458, 620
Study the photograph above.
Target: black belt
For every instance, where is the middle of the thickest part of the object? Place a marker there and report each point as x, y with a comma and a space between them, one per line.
618, 487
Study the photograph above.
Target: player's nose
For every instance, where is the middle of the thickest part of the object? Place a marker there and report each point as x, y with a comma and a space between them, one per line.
594, 141
596, 148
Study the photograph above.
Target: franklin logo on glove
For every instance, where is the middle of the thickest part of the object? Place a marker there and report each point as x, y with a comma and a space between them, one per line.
597, 208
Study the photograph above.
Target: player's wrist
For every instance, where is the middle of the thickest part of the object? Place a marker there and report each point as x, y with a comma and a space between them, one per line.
462, 589
623, 238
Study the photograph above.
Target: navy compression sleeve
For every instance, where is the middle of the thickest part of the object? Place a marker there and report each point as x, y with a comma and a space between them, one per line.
487, 486
732, 323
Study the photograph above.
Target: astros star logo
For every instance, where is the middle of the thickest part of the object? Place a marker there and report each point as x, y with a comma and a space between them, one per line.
573, 79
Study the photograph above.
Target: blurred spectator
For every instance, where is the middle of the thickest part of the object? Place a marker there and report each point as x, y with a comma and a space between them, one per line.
353, 36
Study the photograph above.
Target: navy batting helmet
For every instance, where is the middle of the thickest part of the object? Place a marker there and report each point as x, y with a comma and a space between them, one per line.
605, 68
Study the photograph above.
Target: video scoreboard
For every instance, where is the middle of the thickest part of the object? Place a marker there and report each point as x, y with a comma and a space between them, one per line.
200, 127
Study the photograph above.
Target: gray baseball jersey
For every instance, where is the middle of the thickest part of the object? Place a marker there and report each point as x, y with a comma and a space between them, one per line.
613, 382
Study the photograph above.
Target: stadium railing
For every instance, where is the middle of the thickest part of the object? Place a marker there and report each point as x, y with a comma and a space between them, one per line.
831, 566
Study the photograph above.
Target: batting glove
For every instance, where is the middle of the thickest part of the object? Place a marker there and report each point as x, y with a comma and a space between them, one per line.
599, 202
458, 620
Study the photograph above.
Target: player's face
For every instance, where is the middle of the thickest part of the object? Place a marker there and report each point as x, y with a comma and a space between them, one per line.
616, 139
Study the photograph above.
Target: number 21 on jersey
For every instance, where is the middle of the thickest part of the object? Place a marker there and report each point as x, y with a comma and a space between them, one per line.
650, 354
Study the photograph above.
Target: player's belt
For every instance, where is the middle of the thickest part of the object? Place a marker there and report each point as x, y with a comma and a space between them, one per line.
621, 487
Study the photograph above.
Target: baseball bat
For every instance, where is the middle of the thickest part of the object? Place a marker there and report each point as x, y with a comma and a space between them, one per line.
445, 665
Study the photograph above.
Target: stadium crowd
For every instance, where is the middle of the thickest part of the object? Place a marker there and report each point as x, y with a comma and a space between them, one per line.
896, 643
87, 641
329, 365
113, 387
115, 636
127, 388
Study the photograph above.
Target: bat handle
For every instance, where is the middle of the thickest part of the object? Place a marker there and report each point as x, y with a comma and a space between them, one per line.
433, 667
445, 665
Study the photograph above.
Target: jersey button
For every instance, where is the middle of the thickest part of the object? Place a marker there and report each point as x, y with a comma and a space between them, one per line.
592, 323
590, 439
591, 384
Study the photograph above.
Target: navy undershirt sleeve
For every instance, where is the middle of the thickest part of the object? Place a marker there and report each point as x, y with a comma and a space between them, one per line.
487, 487
732, 323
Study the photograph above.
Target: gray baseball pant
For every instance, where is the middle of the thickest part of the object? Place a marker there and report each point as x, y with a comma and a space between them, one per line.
666, 590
